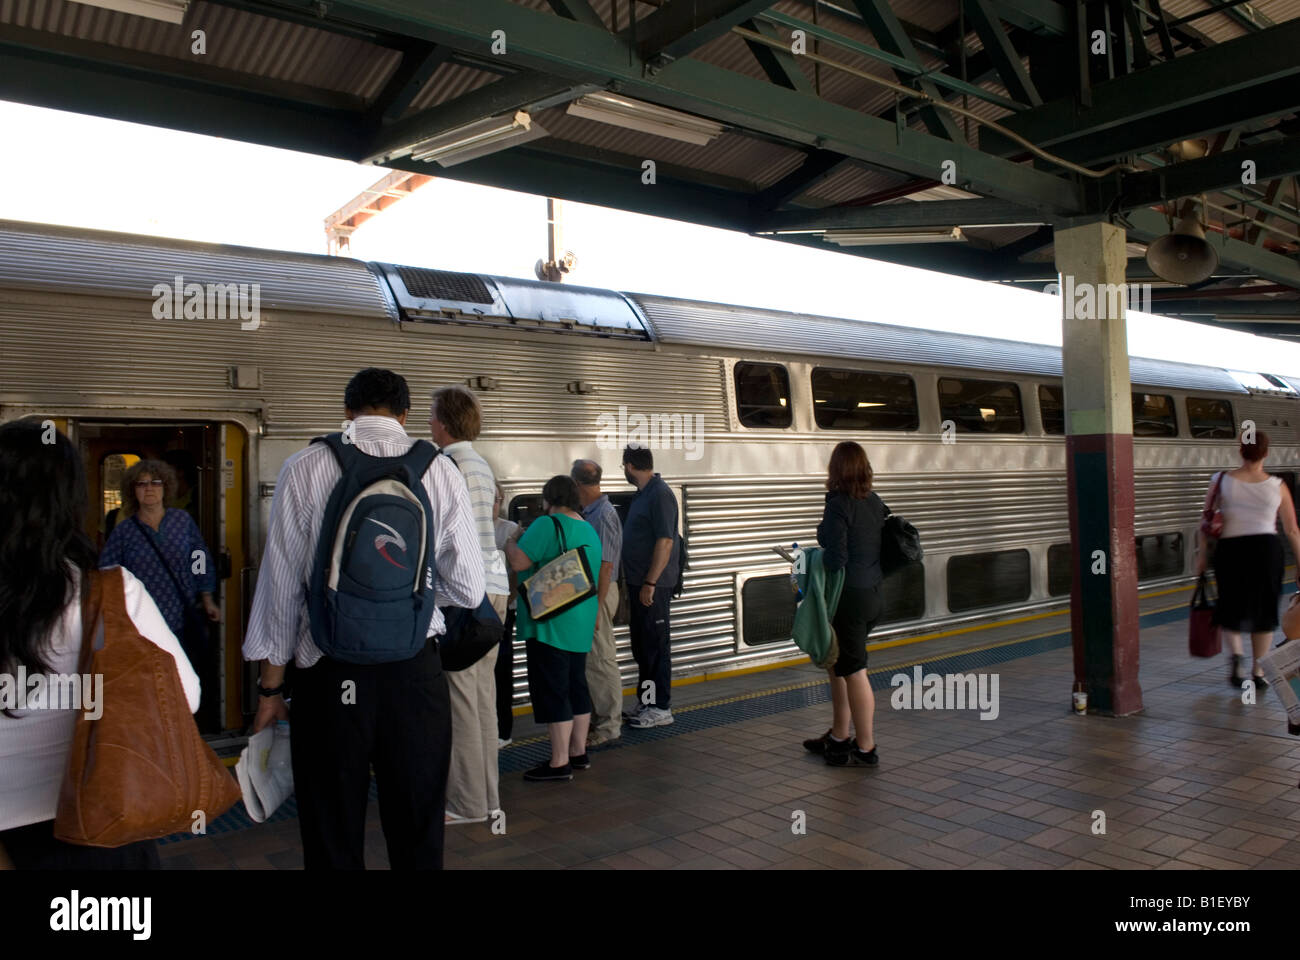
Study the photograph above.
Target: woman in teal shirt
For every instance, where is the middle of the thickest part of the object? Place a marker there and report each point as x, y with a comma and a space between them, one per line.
557, 647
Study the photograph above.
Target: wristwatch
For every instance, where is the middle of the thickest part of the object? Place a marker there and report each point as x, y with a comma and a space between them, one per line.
269, 691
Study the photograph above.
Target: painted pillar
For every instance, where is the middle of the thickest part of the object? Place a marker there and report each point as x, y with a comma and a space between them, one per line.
1099, 453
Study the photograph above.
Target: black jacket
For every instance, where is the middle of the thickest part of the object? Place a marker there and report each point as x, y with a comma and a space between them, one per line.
850, 536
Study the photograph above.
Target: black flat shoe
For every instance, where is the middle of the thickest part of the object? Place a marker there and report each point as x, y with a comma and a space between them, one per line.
1235, 677
864, 756
544, 771
1260, 684
580, 762
837, 752
818, 746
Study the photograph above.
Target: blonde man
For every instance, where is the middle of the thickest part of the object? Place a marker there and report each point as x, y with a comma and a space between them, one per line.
456, 418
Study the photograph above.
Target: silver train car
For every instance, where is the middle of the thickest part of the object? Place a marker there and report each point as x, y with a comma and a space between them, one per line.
237, 357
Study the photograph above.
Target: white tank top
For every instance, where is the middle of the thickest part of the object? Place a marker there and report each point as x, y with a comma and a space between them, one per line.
1249, 508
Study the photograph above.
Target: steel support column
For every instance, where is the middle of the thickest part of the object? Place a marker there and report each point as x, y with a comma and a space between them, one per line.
1099, 465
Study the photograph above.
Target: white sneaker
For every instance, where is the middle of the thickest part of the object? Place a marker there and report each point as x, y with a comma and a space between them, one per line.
453, 819
651, 717
502, 744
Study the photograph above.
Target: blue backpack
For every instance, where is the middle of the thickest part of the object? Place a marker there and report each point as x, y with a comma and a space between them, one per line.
371, 596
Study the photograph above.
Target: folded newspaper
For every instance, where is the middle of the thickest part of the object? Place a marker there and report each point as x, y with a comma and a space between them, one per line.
1281, 669
264, 771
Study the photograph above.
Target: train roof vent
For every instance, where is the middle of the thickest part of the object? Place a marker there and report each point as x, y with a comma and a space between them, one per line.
444, 285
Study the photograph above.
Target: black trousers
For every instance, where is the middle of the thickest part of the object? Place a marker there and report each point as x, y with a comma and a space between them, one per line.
346, 717
505, 678
34, 847
650, 643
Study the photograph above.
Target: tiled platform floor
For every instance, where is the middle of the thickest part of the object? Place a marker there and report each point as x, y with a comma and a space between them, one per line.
1197, 780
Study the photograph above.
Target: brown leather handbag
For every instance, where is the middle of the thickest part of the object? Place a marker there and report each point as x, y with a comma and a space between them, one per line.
141, 770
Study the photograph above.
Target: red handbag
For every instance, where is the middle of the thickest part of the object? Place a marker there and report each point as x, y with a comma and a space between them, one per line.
1212, 516
1202, 632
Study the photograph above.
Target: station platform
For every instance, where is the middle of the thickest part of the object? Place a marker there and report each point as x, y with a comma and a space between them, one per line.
1197, 780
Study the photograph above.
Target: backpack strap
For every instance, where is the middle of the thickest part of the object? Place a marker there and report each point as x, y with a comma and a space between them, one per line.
344, 453
420, 458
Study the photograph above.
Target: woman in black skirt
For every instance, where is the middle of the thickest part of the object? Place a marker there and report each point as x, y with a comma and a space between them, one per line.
1248, 557
850, 538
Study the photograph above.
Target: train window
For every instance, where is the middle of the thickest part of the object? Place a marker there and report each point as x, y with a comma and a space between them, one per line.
525, 508
1153, 415
987, 579
1210, 419
763, 395
767, 605
1060, 569
902, 595
1051, 404
981, 406
1159, 555
858, 400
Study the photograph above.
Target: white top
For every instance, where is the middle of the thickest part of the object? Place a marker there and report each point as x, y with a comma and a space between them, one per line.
1249, 509
279, 628
482, 486
34, 746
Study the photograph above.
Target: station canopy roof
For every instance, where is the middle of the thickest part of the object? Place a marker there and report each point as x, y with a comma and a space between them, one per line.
947, 134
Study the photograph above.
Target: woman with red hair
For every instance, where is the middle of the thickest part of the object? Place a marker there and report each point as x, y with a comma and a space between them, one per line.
849, 535
1248, 557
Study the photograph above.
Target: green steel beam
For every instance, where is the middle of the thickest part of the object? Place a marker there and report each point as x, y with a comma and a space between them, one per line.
70, 79
579, 10
525, 89
1005, 56
574, 51
1147, 225
1038, 16
817, 166
954, 259
1273, 160
932, 213
890, 37
1233, 82
680, 27
414, 71
1214, 306
779, 65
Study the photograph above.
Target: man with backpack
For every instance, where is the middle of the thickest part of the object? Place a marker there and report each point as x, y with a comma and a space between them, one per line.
369, 534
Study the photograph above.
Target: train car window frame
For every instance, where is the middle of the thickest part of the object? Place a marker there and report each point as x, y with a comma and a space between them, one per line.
1212, 430
1042, 409
912, 413
747, 411
987, 416
776, 590
989, 565
1147, 417
1147, 544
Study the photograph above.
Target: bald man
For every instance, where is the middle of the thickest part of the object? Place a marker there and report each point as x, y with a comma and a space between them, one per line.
603, 680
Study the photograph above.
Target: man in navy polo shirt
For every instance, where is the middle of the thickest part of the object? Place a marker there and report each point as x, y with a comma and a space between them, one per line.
650, 567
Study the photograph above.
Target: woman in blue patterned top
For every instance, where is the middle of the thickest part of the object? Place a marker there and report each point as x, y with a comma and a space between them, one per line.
145, 523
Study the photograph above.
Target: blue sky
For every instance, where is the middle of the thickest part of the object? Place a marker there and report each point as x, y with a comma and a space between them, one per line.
147, 180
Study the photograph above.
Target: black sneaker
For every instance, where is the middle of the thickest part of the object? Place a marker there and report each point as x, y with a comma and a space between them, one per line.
837, 751
1260, 684
580, 762
864, 756
818, 746
544, 771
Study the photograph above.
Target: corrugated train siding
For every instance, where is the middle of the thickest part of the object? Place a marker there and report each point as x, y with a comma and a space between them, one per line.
75, 261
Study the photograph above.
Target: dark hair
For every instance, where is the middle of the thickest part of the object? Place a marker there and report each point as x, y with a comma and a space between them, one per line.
43, 504
640, 458
850, 470
586, 473
1257, 450
561, 491
376, 389
154, 470
458, 410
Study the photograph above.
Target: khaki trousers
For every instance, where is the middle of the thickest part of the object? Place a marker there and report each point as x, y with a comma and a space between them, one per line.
472, 781
603, 681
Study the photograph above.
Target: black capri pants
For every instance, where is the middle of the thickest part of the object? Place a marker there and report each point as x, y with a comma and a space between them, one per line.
855, 617
557, 682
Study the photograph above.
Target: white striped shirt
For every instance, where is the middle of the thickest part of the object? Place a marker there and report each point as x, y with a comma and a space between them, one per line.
279, 627
482, 485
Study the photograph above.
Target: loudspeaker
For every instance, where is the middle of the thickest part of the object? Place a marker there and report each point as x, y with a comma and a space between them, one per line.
1183, 256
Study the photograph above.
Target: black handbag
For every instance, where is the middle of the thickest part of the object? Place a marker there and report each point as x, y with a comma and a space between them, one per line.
900, 544
195, 633
470, 635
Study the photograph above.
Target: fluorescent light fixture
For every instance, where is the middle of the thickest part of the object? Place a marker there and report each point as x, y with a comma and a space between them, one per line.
172, 11
478, 139
890, 235
620, 111
864, 404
